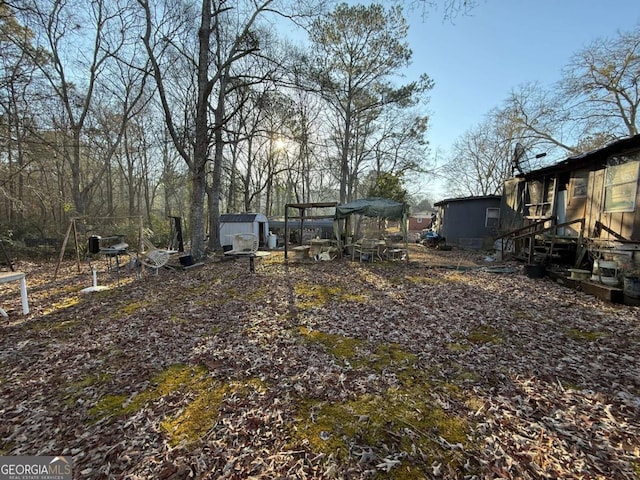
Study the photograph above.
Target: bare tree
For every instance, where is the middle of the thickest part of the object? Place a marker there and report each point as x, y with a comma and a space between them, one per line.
451, 9
602, 81
541, 114
86, 41
482, 158
400, 146
225, 35
595, 102
256, 132
18, 107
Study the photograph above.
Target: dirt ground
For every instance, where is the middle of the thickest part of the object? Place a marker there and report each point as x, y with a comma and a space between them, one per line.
448, 366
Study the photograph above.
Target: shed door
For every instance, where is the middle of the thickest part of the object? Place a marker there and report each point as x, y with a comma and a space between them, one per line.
561, 209
262, 236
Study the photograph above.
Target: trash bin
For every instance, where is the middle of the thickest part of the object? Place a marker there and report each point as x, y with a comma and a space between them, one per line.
272, 241
186, 260
94, 244
535, 270
632, 287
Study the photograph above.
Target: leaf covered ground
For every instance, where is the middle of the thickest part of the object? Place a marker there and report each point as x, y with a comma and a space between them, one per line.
440, 368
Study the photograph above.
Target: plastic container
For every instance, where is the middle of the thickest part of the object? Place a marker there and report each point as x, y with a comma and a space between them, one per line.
186, 260
272, 240
632, 287
605, 271
535, 270
94, 244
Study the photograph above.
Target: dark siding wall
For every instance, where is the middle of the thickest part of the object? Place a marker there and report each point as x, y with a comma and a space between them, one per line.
511, 205
463, 222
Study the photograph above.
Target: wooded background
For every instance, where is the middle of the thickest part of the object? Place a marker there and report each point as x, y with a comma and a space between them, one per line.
133, 108
197, 108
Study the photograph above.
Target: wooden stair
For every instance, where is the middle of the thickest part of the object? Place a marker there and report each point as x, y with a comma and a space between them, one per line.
539, 243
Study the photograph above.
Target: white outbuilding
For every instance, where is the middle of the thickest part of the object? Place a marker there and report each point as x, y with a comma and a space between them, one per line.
234, 223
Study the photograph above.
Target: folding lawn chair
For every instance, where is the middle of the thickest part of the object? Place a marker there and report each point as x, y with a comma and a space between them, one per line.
153, 257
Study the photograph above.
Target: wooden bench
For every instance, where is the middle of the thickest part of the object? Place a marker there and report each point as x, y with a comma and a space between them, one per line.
6, 277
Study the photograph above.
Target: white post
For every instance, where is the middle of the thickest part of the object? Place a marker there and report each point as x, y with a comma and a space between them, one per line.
23, 295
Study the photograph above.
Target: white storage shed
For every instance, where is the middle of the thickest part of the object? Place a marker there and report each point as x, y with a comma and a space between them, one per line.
234, 223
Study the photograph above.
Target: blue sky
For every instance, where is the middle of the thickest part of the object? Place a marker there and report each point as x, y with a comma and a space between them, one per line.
477, 60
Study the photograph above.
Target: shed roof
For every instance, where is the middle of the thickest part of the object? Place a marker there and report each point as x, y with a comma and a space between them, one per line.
467, 199
241, 217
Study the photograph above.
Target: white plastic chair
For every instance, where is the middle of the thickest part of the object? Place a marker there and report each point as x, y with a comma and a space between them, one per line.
153, 257
244, 244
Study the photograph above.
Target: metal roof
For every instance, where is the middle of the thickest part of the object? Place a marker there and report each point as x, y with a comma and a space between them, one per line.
467, 199
593, 157
241, 217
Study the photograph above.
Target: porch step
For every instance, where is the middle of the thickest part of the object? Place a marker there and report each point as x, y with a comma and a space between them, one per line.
599, 290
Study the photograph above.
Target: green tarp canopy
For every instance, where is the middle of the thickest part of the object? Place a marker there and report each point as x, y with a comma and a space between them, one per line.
373, 207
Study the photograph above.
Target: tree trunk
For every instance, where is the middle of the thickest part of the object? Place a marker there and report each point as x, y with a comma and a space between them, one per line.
344, 160
198, 186
216, 181
201, 147
76, 178
218, 157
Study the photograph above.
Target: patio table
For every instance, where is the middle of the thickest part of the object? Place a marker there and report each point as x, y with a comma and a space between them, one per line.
6, 277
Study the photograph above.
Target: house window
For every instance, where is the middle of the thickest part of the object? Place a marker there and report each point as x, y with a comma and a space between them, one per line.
621, 184
492, 218
579, 187
419, 220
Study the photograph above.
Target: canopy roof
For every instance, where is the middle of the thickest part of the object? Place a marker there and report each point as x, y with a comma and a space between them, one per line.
373, 207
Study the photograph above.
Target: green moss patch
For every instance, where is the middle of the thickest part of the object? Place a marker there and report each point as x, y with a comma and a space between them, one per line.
340, 346
359, 354
390, 356
168, 381
109, 405
403, 423
75, 389
485, 334
585, 335
52, 326
198, 416
311, 295
89, 381
444, 279
133, 307
201, 414
68, 302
